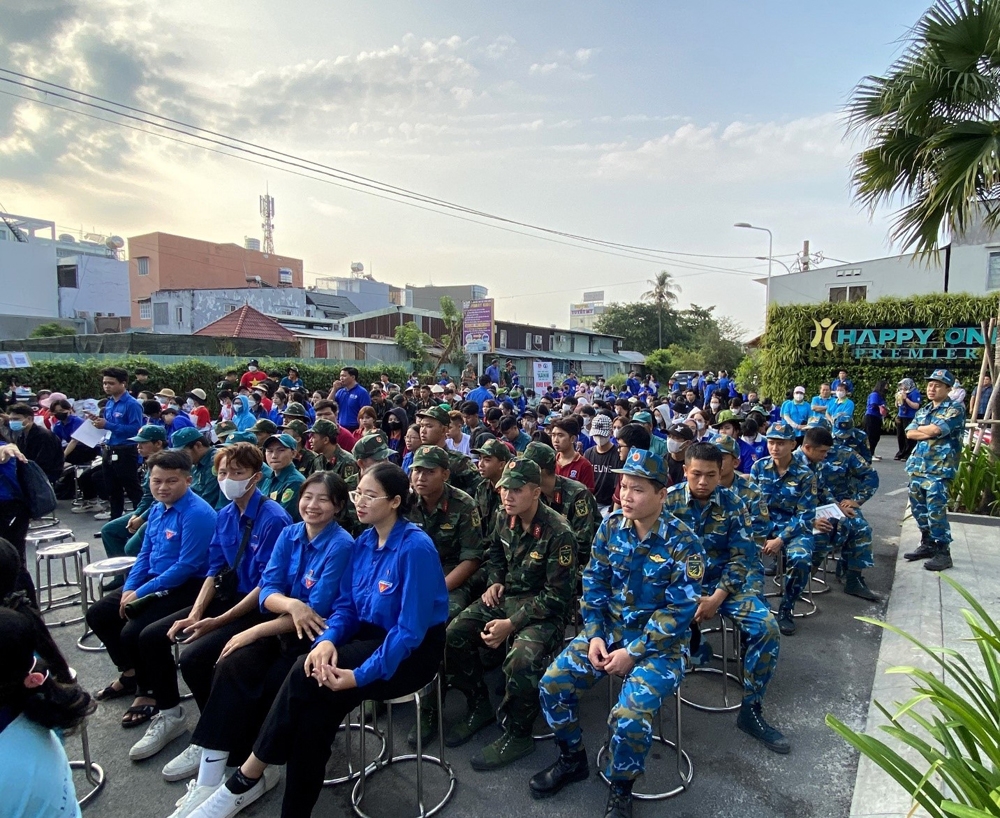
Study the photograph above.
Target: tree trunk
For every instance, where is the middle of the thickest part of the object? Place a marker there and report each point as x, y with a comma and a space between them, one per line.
990, 410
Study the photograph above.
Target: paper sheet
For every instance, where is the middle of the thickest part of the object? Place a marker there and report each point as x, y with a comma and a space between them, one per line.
89, 435
830, 511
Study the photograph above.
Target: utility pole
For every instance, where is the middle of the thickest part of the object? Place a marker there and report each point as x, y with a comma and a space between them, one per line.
805, 255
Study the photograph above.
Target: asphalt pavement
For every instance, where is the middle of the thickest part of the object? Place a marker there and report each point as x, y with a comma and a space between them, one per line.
828, 666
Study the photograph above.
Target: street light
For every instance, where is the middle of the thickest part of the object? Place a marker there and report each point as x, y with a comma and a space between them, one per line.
778, 260
770, 258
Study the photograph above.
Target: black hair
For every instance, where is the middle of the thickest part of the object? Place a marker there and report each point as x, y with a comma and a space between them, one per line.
494, 414
394, 483
634, 436
469, 407
818, 436
61, 404
350, 370
21, 409
750, 428
570, 425
541, 436
170, 460
116, 372
151, 408
142, 371
708, 452
336, 486
508, 423
484, 380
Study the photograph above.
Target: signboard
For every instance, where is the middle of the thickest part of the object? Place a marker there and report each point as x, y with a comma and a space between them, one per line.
477, 326
594, 295
581, 309
5, 361
20, 360
543, 375
899, 343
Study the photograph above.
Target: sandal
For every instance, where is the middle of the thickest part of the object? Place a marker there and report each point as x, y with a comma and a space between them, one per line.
128, 687
145, 712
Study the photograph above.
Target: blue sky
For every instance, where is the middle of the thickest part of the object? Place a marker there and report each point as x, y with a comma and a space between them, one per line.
654, 124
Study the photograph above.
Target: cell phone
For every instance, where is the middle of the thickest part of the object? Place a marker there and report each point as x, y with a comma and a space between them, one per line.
181, 637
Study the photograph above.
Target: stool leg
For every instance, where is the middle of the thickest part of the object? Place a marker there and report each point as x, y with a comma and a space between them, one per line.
440, 717
420, 759
677, 748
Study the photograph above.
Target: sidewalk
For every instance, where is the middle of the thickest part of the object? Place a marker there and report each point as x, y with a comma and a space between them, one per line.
924, 606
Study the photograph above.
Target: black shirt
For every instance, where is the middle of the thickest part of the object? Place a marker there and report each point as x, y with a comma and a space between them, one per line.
675, 468
604, 478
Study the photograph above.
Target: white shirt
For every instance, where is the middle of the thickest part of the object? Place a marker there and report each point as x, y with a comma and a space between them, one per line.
463, 446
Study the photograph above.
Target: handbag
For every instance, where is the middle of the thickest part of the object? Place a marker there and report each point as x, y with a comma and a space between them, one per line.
226, 581
35, 488
883, 411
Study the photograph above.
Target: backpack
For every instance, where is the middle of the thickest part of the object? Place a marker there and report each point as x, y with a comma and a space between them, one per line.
36, 488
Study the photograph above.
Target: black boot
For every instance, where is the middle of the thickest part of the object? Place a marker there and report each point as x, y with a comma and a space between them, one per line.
751, 721
941, 560
570, 767
856, 586
619, 800
786, 624
926, 550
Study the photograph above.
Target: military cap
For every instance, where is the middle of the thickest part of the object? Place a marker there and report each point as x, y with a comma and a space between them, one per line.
819, 422
264, 426
438, 413
642, 417
297, 426
224, 428
431, 457
842, 425
326, 427
942, 375
519, 472
644, 463
185, 437
494, 448
681, 430
241, 437
542, 454
150, 433
294, 410
530, 413
780, 430
372, 446
287, 441
726, 445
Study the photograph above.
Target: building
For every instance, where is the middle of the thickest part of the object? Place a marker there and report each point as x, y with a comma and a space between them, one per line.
181, 312
246, 322
381, 324
363, 291
429, 298
586, 352
331, 305
584, 314
160, 261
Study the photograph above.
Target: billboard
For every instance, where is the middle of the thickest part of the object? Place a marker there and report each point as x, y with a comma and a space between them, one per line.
542, 371
594, 295
477, 326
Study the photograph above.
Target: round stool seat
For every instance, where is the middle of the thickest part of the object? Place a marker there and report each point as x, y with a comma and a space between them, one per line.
112, 566
60, 550
52, 535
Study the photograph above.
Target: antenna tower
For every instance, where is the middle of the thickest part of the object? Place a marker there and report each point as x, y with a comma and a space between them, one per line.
267, 213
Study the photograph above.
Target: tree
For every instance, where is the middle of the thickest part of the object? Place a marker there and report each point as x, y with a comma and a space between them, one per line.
664, 294
413, 341
452, 330
637, 324
53, 329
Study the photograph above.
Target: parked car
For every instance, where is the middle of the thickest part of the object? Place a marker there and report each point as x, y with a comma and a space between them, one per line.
685, 377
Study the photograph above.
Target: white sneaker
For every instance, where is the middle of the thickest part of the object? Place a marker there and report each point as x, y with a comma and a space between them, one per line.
272, 777
86, 507
194, 798
161, 731
104, 515
183, 766
223, 803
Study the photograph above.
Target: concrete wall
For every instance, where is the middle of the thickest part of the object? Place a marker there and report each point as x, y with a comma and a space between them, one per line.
102, 286
202, 307
28, 277
21, 326
367, 295
429, 298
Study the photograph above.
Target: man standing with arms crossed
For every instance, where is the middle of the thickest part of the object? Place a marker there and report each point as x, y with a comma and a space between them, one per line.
123, 419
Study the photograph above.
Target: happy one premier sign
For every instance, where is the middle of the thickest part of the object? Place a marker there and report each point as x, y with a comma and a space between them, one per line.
908, 343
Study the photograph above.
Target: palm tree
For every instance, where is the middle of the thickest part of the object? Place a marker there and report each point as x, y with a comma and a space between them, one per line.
664, 294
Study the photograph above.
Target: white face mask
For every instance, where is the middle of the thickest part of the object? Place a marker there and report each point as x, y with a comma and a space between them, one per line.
234, 489
715, 405
251, 369
799, 397
841, 395
189, 405
674, 446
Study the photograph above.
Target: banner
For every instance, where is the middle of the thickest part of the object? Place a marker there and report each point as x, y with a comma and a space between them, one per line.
20, 360
543, 376
477, 326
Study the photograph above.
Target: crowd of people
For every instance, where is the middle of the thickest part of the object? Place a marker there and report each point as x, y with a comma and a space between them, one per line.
312, 552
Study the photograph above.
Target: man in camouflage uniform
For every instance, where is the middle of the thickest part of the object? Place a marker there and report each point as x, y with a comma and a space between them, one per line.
789, 490
434, 422
532, 576
750, 494
371, 449
263, 429
569, 497
640, 593
847, 434
720, 518
306, 462
493, 458
844, 479
282, 485
324, 443
938, 428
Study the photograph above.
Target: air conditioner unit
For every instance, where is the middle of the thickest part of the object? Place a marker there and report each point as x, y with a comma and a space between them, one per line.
562, 339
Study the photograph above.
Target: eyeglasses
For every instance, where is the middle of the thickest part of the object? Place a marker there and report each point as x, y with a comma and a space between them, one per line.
360, 499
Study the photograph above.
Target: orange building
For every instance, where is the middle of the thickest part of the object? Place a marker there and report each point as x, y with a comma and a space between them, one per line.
160, 261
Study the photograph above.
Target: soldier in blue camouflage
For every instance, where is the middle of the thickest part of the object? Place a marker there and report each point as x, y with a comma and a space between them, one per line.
789, 490
640, 593
938, 428
722, 521
847, 434
750, 494
532, 575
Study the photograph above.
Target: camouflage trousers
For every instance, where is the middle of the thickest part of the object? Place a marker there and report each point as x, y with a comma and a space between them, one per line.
854, 536
755, 574
929, 504
530, 651
759, 640
630, 722
798, 568
459, 600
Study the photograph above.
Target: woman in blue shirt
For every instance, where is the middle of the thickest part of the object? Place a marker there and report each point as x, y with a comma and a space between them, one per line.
298, 590
908, 401
384, 639
874, 412
292, 379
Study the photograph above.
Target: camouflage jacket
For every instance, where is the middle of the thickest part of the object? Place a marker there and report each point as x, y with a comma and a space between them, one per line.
463, 475
453, 524
308, 463
938, 457
749, 492
848, 476
344, 464
574, 501
488, 502
791, 498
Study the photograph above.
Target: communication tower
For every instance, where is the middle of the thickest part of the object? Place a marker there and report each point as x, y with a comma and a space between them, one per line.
267, 213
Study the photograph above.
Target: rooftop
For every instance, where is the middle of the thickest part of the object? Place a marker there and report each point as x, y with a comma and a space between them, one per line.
246, 322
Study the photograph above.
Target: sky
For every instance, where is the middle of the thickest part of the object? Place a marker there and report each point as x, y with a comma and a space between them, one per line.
653, 124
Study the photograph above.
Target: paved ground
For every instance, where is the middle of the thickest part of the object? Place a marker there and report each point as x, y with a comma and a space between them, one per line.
827, 667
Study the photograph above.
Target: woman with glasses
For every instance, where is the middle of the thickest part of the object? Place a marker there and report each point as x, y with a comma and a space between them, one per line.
298, 590
384, 639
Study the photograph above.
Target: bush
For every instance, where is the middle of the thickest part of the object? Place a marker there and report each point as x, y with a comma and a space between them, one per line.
53, 329
616, 382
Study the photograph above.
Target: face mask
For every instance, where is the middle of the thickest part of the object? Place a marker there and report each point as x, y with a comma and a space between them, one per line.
62, 418
841, 395
189, 405
233, 489
614, 432
674, 446
16, 425
749, 439
715, 405
252, 404
251, 368
164, 404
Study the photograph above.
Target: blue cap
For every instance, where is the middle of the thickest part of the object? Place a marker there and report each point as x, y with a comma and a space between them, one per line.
241, 437
842, 425
780, 430
944, 376
185, 437
644, 463
819, 422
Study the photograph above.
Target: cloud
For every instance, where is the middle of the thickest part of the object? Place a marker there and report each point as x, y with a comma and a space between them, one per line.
501, 47
543, 68
583, 55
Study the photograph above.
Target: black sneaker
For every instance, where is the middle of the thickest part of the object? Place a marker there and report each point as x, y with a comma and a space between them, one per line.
786, 624
941, 561
751, 721
619, 800
570, 767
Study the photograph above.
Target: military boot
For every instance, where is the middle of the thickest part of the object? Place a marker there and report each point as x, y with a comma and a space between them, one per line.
428, 725
925, 550
751, 721
941, 560
786, 624
505, 750
570, 767
856, 586
619, 800
479, 715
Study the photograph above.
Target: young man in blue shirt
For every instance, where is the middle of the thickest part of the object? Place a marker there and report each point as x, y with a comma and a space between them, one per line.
351, 397
122, 419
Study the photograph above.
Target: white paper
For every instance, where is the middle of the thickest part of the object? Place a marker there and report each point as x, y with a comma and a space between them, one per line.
89, 435
830, 511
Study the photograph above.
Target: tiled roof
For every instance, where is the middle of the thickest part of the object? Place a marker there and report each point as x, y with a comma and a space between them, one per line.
246, 322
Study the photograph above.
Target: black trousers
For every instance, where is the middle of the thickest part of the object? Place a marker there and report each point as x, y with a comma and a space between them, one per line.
121, 478
305, 716
128, 646
243, 687
873, 429
14, 519
905, 446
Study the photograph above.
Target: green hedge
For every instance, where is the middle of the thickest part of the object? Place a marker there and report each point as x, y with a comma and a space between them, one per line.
82, 379
786, 357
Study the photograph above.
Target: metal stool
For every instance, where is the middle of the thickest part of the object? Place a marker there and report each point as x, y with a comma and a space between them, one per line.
78, 553
778, 580
727, 626
93, 772
358, 794
349, 727
685, 767
114, 566
49, 536
177, 666
47, 521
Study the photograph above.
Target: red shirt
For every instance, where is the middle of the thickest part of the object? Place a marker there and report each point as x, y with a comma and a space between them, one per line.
201, 417
579, 468
251, 379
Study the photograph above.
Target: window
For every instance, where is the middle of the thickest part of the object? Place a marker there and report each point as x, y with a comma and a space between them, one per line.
856, 292
503, 339
180, 315
66, 275
145, 309
143, 264
161, 314
230, 308
993, 272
